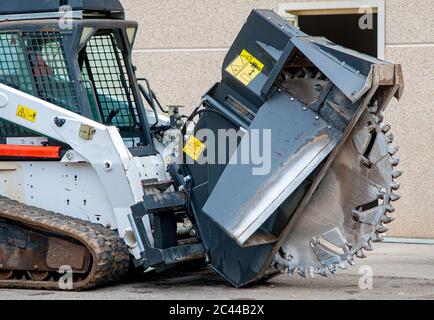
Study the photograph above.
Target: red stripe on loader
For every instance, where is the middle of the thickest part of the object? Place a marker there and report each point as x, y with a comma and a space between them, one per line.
19, 151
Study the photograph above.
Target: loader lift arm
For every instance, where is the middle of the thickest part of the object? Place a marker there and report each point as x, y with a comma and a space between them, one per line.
81, 92
91, 142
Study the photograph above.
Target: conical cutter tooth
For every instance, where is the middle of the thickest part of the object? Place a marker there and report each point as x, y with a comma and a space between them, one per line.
395, 161
366, 162
368, 247
356, 214
301, 272
386, 127
393, 150
322, 272
390, 137
395, 185
390, 208
373, 109
387, 220
360, 254
377, 238
381, 229
343, 265
311, 272
394, 197
396, 174
332, 269
290, 271
381, 193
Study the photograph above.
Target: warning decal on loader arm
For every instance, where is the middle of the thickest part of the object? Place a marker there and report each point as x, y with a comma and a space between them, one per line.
194, 147
245, 68
26, 113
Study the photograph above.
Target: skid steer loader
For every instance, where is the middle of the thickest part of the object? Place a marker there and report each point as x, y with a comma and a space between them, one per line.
95, 180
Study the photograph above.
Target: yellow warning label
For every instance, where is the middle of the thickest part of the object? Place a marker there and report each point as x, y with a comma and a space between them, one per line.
26, 113
245, 68
194, 147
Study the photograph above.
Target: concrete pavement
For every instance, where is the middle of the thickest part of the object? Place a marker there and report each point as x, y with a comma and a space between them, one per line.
400, 271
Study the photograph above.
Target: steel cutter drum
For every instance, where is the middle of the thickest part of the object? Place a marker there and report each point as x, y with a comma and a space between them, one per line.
332, 176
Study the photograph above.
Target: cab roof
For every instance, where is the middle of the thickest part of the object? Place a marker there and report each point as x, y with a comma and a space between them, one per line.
41, 6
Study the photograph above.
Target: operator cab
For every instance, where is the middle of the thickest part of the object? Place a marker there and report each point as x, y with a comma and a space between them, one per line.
75, 54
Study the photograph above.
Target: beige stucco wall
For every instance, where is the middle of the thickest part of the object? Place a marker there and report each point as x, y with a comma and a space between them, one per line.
182, 43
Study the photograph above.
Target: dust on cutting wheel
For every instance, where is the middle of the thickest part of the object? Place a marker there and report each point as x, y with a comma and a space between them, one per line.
333, 229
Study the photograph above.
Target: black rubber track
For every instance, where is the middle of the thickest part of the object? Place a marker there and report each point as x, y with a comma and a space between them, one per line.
110, 256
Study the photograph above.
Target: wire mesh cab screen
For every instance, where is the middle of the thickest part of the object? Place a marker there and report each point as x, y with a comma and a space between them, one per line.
104, 67
35, 63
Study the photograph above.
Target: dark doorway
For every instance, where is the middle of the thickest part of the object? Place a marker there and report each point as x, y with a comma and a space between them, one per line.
343, 29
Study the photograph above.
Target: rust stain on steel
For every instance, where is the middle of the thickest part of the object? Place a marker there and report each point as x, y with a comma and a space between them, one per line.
99, 256
61, 253
22, 250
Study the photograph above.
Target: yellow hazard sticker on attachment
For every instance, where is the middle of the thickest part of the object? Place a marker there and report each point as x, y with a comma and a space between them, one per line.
245, 68
26, 113
194, 147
